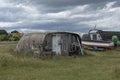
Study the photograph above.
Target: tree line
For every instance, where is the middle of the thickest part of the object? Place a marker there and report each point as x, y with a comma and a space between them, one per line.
12, 36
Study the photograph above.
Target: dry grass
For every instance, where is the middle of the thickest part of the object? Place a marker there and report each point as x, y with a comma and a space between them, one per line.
103, 65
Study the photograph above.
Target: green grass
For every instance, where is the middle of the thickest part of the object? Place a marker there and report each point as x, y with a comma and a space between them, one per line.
103, 65
8, 42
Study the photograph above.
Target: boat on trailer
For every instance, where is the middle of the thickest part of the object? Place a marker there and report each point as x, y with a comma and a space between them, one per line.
99, 39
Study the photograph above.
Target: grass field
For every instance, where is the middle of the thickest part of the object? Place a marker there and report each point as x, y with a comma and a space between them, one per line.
103, 65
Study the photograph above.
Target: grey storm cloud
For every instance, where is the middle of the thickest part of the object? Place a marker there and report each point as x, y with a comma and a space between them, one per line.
59, 5
68, 15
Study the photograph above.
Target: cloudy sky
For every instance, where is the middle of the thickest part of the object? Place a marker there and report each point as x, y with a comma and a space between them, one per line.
66, 15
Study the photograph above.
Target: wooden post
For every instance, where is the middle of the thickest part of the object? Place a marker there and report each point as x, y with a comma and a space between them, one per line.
80, 47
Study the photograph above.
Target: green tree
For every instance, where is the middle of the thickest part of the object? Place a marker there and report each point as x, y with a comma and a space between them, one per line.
15, 31
3, 32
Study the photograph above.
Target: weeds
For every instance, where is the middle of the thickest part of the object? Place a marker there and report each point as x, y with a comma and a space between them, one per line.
116, 72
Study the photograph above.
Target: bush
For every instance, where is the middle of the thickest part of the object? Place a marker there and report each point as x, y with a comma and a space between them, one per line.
118, 43
13, 36
3, 37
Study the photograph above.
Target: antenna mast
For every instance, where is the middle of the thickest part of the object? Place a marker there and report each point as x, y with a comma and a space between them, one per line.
95, 26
